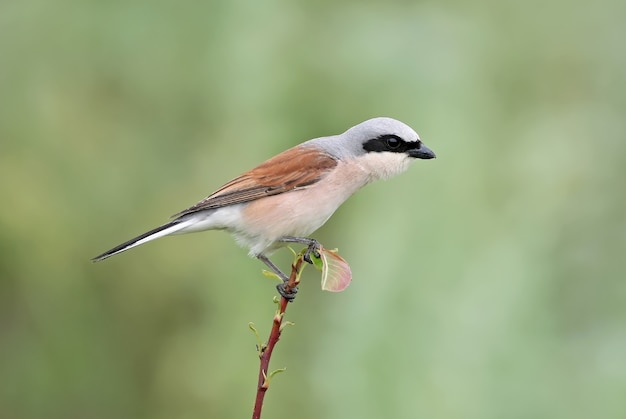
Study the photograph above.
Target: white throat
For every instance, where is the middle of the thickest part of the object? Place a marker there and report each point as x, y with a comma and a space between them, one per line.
384, 165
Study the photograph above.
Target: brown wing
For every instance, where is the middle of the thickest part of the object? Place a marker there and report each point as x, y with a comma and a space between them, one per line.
293, 169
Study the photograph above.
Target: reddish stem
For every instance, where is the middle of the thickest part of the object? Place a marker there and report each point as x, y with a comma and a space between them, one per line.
266, 352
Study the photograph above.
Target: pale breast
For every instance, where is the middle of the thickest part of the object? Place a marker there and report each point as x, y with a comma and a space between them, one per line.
298, 212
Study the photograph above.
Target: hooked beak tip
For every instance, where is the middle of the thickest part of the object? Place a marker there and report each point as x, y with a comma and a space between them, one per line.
422, 153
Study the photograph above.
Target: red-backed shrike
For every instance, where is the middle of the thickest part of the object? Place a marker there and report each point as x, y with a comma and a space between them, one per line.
291, 195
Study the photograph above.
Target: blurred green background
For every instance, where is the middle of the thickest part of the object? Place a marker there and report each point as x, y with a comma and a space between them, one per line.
488, 283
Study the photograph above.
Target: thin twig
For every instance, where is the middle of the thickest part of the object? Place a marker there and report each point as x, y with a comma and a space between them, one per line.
265, 353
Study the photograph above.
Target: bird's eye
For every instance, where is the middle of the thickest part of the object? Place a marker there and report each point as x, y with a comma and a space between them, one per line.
393, 143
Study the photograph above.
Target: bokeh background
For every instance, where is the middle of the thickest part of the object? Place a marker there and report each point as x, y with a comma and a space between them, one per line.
488, 283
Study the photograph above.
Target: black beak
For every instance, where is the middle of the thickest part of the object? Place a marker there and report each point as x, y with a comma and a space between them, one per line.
422, 153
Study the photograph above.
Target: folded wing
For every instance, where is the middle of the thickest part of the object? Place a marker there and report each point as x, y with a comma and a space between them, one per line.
290, 170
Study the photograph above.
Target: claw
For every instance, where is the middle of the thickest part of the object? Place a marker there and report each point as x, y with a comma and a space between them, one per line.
288, 295
314, 249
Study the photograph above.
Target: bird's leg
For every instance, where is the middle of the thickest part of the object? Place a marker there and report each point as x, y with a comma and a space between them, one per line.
273, 267
289, 295
313, 246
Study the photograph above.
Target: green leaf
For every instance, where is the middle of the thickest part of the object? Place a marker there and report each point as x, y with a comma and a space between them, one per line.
272, 275
317, 261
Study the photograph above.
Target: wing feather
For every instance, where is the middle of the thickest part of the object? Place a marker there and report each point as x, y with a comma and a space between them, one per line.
290, 170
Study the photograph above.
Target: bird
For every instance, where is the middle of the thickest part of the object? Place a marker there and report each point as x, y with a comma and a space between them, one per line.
288, 197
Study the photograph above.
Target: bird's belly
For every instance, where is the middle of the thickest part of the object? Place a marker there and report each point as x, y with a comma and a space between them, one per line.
297, 213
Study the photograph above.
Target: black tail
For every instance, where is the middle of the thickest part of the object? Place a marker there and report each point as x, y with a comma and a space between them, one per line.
136, 241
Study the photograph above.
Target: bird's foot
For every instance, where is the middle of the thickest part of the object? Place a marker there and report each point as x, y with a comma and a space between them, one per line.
287, 294
313, 246
313, 249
